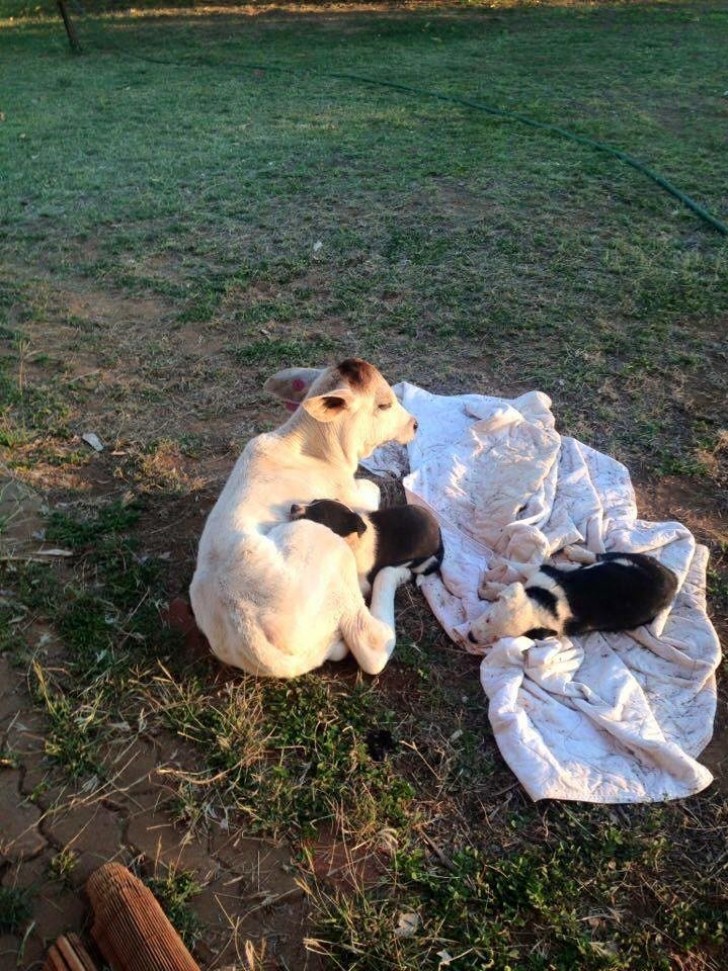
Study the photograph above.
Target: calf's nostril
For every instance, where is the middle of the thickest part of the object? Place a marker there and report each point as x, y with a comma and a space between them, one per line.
471, 638
415, 424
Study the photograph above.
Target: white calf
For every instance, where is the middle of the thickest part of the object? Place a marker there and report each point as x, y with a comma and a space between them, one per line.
279, 598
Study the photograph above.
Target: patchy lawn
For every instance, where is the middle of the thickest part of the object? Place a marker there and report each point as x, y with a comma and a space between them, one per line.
202, 198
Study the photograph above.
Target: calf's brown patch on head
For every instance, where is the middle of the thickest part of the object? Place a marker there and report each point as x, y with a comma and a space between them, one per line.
359, 374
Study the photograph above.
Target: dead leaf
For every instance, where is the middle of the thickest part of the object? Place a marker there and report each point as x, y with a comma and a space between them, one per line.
407, 925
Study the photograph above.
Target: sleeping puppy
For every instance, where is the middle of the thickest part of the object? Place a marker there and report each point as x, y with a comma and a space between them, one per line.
398, 536
617, 591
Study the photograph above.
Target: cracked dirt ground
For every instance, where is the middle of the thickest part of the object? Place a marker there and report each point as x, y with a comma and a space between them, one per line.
251, 889
250, 896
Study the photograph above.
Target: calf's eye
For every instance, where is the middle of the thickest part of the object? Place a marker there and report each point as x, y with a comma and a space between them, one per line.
385, 406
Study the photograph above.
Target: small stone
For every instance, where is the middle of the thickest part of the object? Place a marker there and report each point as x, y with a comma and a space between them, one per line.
92, 439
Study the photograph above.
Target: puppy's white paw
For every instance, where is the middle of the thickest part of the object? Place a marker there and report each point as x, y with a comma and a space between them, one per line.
395, 575
579, 554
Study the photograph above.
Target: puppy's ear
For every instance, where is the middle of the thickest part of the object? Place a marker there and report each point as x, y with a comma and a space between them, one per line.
293, 383
327, 407
512, 595
355, 524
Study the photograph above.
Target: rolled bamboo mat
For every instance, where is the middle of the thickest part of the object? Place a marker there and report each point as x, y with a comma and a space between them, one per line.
130, 928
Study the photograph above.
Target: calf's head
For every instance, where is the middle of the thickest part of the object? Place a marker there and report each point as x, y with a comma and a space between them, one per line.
352, 400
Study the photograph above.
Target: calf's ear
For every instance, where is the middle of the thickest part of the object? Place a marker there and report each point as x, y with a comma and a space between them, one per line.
292, 384
328, 407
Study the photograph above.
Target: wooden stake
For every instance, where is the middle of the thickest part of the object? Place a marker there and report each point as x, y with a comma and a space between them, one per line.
70, 28
130, 928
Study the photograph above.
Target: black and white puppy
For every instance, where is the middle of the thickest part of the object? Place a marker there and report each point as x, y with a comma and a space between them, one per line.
617, 591
397, 536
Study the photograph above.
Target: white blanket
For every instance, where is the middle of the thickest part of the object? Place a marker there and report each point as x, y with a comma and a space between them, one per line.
605, 717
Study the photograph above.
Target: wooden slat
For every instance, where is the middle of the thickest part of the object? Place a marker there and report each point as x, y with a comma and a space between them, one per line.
84, 956
68, 954
75, 954
54, 961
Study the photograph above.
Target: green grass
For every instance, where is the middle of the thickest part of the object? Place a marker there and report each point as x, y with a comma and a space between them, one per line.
62, 866
78, 533
174, 890
274, 353
439, 225
563, 884
162, 202
15, 908
283, 756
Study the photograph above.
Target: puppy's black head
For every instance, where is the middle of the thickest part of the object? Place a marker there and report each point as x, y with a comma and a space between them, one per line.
338, 517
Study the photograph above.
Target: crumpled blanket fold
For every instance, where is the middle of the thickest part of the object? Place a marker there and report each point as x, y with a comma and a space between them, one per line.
609, 718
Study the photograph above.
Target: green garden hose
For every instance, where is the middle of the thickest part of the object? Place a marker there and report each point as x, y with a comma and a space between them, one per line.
555, 130
658, 179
